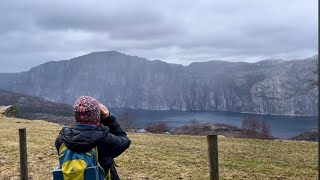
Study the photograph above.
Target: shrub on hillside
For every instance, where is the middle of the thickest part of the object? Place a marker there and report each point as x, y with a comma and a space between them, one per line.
127, 120
255, 128
158, 128
9, 111
195, 128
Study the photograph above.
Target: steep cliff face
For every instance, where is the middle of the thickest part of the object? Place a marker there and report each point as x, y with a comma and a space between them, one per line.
118, 80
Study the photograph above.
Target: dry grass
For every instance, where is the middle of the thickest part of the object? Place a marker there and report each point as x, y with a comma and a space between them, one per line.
165, 156
40, 143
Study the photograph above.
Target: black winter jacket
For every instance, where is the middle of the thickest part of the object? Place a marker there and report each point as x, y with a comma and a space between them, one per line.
110, 139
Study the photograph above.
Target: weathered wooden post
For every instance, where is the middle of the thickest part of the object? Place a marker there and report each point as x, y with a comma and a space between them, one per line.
213, 156
23, 154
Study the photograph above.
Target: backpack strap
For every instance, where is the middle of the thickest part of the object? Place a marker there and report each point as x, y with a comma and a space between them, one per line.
62, 151
108, 175
62, 148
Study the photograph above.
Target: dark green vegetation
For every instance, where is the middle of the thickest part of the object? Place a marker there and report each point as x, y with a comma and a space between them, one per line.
9, 111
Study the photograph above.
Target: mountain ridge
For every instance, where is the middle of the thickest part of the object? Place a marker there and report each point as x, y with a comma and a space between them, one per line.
122, 81
120, 53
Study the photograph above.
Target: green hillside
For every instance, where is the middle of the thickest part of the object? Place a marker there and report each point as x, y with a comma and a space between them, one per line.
169, 157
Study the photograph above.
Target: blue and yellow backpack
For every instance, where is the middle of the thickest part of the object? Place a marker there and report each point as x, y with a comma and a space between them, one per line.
79, 165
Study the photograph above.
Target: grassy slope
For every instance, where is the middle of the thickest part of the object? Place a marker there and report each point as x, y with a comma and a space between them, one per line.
165, 156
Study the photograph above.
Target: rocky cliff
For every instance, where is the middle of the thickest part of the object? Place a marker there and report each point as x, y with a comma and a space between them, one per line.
119, 80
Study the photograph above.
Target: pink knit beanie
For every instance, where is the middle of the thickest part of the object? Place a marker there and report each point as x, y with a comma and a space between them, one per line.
87, 110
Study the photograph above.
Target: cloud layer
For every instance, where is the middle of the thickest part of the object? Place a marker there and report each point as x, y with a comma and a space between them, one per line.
34, 32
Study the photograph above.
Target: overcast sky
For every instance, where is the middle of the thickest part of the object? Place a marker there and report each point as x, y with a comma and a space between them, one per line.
36, 31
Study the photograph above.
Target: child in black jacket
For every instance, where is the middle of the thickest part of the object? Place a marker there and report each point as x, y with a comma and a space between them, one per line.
95, 126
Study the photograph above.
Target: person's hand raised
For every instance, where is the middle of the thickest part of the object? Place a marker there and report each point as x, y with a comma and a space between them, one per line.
104, 110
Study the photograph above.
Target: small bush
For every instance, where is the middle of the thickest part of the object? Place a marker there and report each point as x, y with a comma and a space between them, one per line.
195, 127
255, 128
11, 111
157, 128
127, 120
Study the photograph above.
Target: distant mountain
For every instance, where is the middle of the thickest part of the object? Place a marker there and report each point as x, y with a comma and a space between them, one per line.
30, 107
122, 81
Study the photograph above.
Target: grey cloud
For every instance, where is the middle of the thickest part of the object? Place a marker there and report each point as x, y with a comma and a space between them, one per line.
133, 23
173, 31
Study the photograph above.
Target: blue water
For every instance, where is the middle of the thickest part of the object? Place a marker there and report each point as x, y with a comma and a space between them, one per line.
281, 126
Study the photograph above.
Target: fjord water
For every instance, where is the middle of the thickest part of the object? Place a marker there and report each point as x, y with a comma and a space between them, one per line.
281, 126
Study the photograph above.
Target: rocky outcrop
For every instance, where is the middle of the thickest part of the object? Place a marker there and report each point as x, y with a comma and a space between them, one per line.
207, 128
119, 80
310, 135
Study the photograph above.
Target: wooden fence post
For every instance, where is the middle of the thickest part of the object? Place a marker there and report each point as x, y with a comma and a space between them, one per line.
213, 156
23, 154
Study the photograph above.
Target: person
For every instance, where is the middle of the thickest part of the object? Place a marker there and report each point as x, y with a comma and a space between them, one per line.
95, 127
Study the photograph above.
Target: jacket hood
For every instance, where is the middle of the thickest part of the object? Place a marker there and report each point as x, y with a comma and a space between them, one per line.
83, 138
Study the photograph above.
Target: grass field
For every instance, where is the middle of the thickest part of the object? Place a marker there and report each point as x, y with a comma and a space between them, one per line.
152, 156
